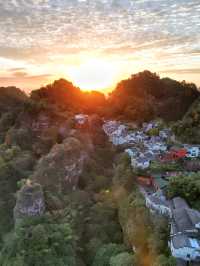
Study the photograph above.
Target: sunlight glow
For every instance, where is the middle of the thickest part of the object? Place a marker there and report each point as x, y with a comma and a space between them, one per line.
94, 74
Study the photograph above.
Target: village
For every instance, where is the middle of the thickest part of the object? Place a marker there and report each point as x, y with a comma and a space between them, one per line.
151, 148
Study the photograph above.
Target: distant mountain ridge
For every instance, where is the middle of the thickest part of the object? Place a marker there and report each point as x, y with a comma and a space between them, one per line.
142, 97
146, 96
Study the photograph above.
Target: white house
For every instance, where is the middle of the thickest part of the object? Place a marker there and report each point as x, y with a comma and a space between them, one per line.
131, 139
117, 136
110, 126
149, 155
193, 152
185, 248
185, 225
117, 139
141, 163
163, 134
81, 118
149, 126
158, 205
185, 231
132, 152
156, 146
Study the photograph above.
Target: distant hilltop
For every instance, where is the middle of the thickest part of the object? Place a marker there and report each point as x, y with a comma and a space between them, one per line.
142, 97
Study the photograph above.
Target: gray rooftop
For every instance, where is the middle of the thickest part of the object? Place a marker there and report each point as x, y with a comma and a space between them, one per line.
178, 203
142, 160
149, 155
184, 218
158, 201
181, 240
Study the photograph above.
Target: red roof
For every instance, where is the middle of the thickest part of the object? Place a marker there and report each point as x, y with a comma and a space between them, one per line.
181, 153
174, 155
145, 180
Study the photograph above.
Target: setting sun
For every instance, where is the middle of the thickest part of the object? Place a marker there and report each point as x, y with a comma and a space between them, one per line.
94, 74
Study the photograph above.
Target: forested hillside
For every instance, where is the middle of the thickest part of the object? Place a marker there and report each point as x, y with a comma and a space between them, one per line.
145, 96
68, 196
188, 129
142, 97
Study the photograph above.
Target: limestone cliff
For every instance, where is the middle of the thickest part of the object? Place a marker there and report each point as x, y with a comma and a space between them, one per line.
61, 168
30, 201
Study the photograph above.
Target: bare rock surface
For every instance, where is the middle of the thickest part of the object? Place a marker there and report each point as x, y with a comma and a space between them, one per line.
30, 201
61, 168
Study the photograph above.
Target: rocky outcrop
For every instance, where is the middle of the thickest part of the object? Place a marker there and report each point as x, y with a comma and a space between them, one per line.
30, 201
38, 132
93, 126
61, 168
98, 136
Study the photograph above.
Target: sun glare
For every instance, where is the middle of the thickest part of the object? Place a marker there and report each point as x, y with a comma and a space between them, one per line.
94, 74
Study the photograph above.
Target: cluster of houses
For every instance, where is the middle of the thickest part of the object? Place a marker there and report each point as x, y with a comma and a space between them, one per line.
184, 222
144, 148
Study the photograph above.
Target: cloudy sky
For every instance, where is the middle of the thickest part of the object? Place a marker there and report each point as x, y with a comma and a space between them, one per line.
96, 43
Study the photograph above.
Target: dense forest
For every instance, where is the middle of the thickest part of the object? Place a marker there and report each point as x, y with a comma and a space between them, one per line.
68, 197
188, 128
142, 97
146, 96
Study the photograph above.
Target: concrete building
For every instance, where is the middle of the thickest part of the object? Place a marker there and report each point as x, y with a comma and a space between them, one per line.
158, 205
185, 231
193, 152
140, 163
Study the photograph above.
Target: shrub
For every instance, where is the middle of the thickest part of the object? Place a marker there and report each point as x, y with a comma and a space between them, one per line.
40, 242
106, 252
122, 259
162, 260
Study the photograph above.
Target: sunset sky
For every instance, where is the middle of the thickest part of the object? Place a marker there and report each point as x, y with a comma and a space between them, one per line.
96, 43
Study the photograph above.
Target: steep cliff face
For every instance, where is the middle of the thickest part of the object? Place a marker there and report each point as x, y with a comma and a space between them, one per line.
98, 135
93, 126
61, 168
30, 201
38, 132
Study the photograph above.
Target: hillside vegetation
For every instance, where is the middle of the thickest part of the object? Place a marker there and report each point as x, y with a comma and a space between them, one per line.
145, 96
188, 129
68, 197
142, 97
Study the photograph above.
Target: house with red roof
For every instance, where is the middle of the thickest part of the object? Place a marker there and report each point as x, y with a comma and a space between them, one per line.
173, 154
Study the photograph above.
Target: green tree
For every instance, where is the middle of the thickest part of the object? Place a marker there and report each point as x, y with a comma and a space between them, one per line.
122, 259
40, 242
105, 253
187, 187
153, 132
162, 260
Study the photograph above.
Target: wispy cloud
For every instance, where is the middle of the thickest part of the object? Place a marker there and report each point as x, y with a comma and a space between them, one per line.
182, 71
43, 33
24, 80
